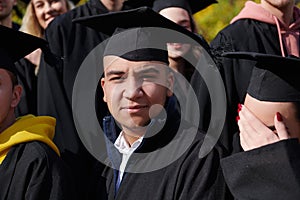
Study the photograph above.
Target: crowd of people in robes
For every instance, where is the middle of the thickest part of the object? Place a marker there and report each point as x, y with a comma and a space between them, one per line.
113, 99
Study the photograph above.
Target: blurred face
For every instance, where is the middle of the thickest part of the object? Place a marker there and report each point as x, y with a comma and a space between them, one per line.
47, 10
134, 90
9, 99
279, 3
6, 7
113, 5
265, 111
181, 17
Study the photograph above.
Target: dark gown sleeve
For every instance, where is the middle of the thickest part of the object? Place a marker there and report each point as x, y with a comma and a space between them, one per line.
223, 43
69, 44
36, 172
219, 45
268, 172
52, 96
53, 101
50, 86
201, 91
202, 178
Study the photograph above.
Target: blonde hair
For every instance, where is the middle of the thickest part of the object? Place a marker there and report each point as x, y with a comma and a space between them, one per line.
30, 23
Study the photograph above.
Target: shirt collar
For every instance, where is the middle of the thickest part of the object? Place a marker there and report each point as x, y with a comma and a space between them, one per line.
122, 145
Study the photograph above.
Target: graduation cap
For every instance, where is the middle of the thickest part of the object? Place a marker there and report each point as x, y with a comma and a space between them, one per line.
274, 78
138, 17
192, 6
15, 45
137, 44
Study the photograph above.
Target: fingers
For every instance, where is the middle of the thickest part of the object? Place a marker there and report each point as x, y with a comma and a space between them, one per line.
253, 121
246, 133
253, 132
280, 127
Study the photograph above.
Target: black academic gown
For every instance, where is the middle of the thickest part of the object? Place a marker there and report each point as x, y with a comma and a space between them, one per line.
243, 35
71, 43
34, 171
187, 177
268, 172
15, 26
28, 80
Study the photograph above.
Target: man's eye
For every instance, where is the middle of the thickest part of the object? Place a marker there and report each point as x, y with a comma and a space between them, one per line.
116, 78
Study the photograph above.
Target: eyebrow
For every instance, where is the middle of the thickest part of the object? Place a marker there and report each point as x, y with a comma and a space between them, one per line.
144, 69
114, 72
148, 70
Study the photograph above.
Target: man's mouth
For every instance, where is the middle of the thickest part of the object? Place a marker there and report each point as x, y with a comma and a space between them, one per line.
134, 108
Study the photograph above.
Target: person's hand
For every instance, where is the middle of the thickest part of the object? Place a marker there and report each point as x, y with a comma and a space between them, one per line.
254, 134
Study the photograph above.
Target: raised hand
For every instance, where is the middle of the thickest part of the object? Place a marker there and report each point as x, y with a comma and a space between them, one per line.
254, 133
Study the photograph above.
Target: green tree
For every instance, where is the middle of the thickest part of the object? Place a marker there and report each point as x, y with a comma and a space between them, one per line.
214, 18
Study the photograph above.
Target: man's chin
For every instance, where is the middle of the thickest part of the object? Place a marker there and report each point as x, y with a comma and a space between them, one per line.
137, 125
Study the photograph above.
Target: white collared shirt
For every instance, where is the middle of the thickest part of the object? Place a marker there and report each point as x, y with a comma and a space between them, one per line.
122, 145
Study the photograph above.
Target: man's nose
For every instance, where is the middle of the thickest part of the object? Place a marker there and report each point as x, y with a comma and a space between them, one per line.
133, 88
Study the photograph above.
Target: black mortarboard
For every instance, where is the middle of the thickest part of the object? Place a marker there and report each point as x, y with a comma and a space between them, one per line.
134, 18
274, 78
14, 45
137, 44
150, 32
192, 6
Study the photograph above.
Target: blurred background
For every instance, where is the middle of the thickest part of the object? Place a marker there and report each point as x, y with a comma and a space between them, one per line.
209, 21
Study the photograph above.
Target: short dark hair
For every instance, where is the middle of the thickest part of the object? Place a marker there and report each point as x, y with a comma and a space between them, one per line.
13, 78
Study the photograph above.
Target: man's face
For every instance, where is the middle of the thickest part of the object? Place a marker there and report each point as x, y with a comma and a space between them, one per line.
9, 98
265, 112
6, 7
132, 90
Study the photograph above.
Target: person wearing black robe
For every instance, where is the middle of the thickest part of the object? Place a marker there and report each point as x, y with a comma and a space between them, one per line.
26, 79
181, 12
187, 177
164, 162
255, 29
269, 166
71, 43
30, 166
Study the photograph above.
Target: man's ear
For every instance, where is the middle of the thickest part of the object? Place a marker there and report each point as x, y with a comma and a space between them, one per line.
17, 92
103, 88
170, 84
